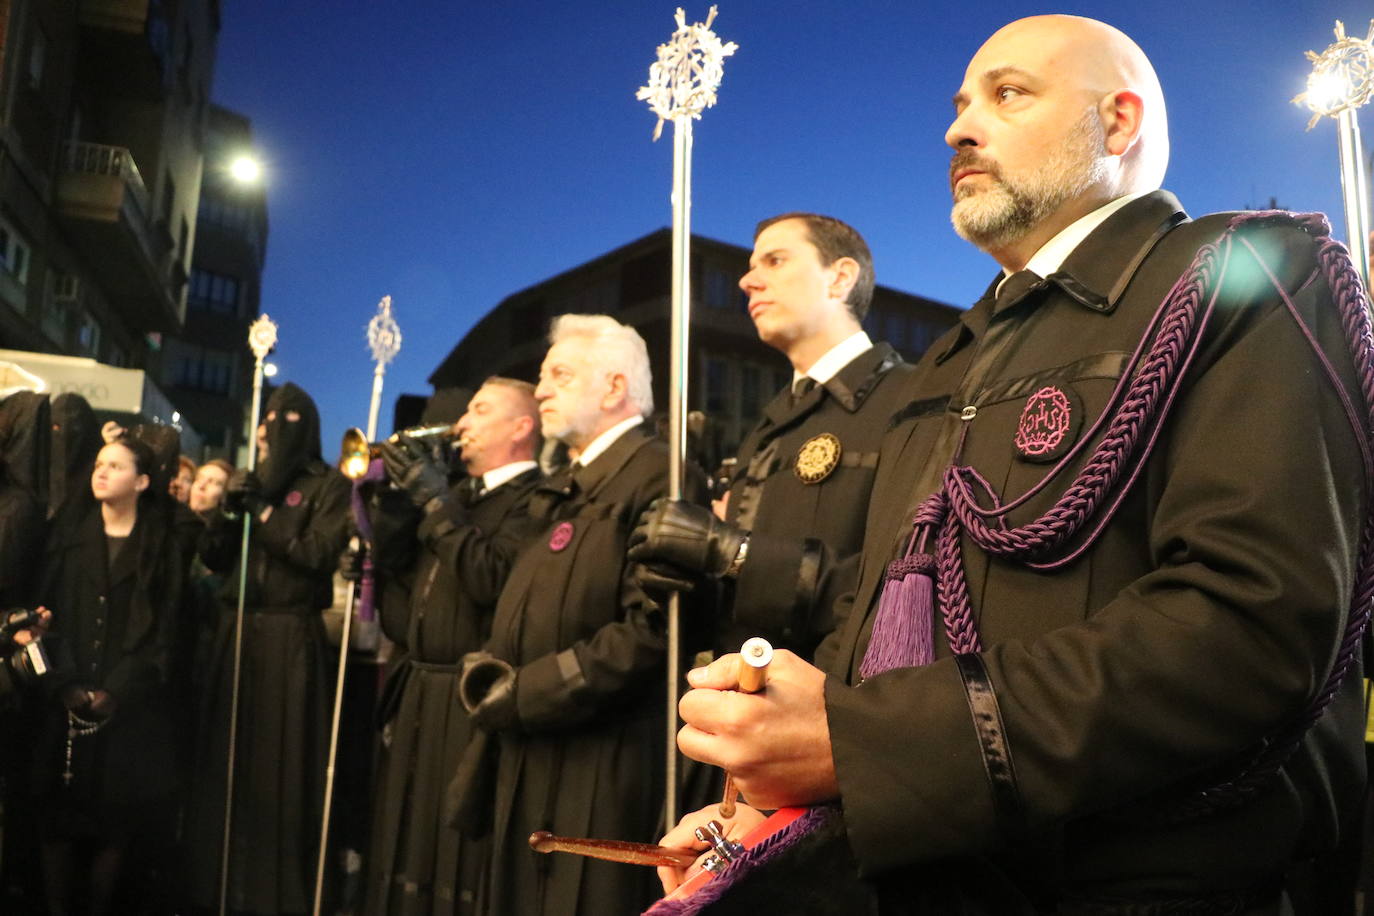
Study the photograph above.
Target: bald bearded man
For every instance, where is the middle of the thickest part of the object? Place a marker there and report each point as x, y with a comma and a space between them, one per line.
1142, 566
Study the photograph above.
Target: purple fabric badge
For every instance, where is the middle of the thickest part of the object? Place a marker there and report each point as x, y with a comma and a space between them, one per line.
1049, 424
293, 499
561, 537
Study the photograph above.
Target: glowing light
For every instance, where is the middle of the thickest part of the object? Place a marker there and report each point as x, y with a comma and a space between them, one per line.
354, 466
1326, 91
1342, 77
269, 370
245, 169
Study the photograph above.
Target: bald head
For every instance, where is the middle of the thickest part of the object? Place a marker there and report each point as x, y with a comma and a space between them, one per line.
1056, 116
1102, 61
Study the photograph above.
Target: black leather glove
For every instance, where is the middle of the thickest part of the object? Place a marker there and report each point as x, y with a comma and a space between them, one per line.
243, 493
351, 563
410, 467
497, 711
486, 688
677, 542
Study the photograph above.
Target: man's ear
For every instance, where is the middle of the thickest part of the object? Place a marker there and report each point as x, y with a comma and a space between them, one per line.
1122, 113
620, 390
846, 275
141, 483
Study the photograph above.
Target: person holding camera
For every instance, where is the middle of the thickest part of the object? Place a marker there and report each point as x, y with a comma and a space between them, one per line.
104, 768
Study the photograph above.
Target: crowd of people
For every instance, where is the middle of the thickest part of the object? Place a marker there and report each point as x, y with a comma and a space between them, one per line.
1066, 617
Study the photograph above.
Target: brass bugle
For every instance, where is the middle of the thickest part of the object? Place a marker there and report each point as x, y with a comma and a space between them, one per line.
357, 453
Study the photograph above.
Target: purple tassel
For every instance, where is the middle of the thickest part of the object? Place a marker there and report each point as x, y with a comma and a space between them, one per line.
903, 628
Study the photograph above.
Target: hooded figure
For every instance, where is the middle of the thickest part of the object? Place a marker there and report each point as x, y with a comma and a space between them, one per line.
299, 512
293, 439
75, 443
24, 424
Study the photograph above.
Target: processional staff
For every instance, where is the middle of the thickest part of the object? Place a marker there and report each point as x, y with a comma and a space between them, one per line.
1342, 80
682, 83
262, 338
384, 340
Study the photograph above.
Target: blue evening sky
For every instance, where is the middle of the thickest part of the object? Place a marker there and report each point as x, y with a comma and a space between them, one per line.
449, 153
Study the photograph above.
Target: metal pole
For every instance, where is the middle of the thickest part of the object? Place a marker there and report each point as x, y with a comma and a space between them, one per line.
384, 338
255, 413
677, 419
1355, 190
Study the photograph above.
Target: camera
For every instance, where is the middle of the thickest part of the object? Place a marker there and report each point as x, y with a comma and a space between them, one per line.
29, 662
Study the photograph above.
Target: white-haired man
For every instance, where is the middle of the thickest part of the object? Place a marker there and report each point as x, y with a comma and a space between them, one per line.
1099, 658
578, 719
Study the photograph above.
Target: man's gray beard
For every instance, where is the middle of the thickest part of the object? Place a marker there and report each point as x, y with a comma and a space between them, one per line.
1007, 211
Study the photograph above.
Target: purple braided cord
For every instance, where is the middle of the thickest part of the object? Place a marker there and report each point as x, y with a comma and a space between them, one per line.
1135, 424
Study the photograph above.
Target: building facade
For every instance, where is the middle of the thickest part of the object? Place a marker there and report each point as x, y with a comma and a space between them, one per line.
731, 374
104, 109
207, 368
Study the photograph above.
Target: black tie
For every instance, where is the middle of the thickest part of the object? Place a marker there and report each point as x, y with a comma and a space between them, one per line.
802, 387
471, 490
1015, 287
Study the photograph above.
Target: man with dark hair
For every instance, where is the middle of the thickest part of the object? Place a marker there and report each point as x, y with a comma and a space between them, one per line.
804, 473
1103, 654
444, 555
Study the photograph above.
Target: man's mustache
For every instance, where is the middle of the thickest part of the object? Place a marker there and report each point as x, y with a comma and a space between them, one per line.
968, 159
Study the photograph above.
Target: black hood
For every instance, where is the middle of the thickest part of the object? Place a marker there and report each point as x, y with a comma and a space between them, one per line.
75, 443
165, 441
25, 430
291, 445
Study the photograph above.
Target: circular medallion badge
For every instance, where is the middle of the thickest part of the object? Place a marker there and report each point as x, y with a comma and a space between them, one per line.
1048, 424
561, 537
293, 499
817, 458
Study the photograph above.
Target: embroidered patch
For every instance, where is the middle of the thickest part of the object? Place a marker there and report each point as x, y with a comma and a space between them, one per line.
817, 457
293, 499
1048, 424
561, 537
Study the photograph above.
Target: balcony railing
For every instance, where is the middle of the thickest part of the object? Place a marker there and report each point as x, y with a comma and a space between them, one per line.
115, 161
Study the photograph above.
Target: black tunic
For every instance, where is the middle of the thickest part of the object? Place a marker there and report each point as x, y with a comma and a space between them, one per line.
589, 649
284, 702
780, 593
113, 621
418, 863
1202, 620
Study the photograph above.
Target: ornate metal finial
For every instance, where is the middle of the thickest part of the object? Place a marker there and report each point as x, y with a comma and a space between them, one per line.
1342, 76
683, 81
384, 334
262, 336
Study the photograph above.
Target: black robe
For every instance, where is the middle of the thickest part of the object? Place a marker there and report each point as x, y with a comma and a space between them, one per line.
590, 653
112, 627
1200, 622
419, 864
799, 528
284, 703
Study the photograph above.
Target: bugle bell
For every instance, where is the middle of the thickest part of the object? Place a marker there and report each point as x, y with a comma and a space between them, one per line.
357, 453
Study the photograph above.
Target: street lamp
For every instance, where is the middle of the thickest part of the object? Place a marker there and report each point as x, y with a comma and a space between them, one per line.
245, 169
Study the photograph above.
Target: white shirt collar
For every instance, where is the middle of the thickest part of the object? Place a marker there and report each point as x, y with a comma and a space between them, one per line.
836, 358
607, 439
1056, 251
505, 474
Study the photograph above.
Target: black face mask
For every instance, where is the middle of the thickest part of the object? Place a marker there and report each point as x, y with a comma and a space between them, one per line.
25, 431
291, 444
75, 443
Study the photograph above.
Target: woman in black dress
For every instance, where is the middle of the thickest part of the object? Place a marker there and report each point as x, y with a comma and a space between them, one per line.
105, 770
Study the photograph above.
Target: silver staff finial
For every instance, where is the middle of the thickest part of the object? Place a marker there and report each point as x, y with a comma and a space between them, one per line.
262, 336
383, 334
683, 81
1342, 76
